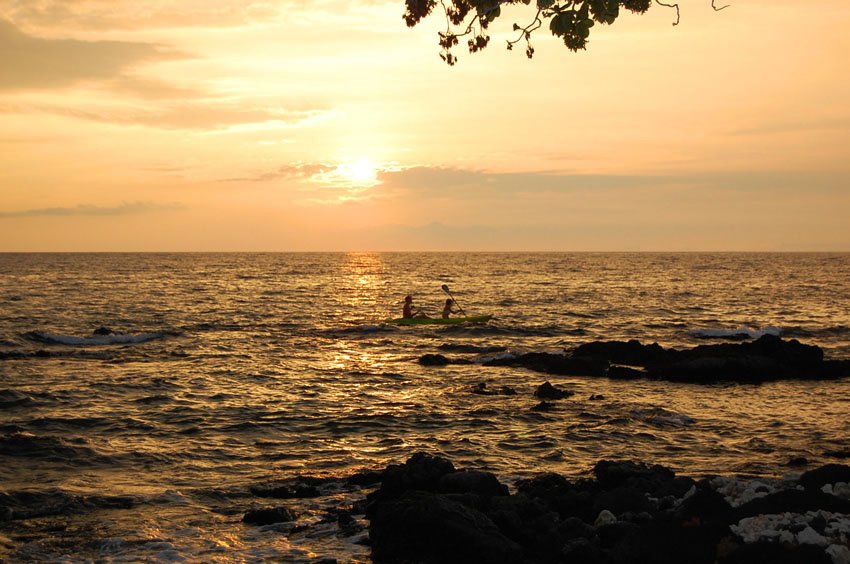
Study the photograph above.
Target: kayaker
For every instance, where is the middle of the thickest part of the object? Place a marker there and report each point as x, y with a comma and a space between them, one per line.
409, 311
447, 309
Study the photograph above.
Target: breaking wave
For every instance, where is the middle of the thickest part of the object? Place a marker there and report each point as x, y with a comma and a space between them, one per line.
742, 332
94, 340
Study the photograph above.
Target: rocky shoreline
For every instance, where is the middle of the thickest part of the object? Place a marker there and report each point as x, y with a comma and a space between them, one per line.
765, 359
426, 511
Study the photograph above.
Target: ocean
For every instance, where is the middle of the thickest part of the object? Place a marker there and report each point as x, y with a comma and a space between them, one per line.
219, 372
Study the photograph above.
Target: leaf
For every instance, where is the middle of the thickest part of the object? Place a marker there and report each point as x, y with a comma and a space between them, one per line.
555, 25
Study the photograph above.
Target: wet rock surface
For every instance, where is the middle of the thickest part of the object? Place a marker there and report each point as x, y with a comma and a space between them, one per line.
547, 391
482, 389
268, 516
765, 359
426, 511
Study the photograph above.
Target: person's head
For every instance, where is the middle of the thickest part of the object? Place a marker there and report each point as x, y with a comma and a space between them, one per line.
408, 298
448, 302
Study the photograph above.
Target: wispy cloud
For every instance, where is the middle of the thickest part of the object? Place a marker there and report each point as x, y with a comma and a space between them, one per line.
180, 116
437, 182
129, 208
296, 170
838, 123
39, 63
114, 14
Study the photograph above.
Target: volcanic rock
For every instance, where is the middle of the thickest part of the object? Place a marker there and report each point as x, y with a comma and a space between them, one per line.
548, 391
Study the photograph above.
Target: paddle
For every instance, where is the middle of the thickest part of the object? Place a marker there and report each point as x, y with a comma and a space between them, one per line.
446, 290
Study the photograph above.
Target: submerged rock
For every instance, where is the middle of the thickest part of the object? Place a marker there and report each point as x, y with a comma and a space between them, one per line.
547, 391
433, 360
544, 406
441, 360
286, 492
268, 515
552, 363
481, 389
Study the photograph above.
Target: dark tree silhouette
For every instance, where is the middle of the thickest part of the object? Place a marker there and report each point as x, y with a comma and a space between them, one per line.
570, 20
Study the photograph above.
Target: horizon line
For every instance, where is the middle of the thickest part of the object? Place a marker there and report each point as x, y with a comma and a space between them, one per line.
644, 251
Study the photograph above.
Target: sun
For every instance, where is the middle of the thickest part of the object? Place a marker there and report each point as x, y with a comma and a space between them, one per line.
362, 171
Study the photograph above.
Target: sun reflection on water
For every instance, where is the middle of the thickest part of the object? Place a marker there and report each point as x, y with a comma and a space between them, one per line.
363, 287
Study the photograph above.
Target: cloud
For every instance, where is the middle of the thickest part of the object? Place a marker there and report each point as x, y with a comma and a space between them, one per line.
839, 123
131, 14
437, 180
35, 63
181, 115
131, 208
297, 171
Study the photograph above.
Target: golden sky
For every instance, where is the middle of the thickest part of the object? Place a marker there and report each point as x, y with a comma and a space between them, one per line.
288, 125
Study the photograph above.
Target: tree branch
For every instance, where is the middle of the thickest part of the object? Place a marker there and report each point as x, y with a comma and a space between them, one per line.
570, 20
678, 14
526, 33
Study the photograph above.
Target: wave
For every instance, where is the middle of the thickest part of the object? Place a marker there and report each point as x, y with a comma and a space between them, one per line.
27, 445
42, 354
814, 332
660, 417
33, 504
464, 348
94, 340
13, 398
742, 332
496, 330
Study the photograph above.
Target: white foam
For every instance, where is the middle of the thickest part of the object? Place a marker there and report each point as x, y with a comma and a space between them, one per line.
741, 331
112, 339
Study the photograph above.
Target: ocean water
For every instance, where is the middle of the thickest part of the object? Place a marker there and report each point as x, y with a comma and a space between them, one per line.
233, 370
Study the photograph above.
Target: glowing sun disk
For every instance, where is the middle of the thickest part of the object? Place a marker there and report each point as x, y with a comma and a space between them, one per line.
362, 171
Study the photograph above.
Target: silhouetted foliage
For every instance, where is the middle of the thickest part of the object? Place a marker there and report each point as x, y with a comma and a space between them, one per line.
571, 20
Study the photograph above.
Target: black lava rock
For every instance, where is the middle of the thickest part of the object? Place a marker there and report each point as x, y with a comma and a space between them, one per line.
798, 461
552, 363
432, 528
625, 373
433, 360
481, 389
472, 481
286, 492
612, 474
776, 553
547, 391
544, 406
829, 474
792, 501
268, 515
632, 352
